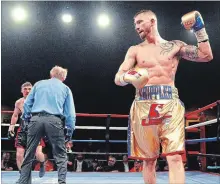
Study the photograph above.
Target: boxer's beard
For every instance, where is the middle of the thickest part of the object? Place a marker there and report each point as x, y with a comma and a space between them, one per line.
145, 33
143, 37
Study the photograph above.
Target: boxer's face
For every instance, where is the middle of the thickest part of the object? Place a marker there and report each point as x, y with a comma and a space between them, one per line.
143, 24
26, 90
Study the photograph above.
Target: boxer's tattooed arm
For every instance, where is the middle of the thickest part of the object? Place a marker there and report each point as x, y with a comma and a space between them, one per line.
179, 44
190, 52
193, 53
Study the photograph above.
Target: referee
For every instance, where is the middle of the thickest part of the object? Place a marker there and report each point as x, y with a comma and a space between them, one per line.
49, 110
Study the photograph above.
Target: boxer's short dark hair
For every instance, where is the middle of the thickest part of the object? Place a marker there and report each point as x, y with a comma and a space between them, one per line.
26, 84
144, 11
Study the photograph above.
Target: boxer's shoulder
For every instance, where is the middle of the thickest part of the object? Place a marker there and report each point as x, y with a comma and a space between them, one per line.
178, 43
19, 101
19, 104
133, 48
143, 44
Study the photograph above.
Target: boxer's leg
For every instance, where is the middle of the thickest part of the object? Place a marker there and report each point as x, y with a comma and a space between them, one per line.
149, 171
19, 156
20, 148
35, 132
41, 158
173, 143
144, 139
39, 154
176, 169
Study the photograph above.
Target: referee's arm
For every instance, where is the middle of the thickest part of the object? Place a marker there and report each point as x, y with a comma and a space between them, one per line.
69, 111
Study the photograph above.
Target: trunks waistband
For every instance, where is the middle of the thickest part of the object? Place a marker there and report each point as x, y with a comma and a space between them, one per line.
156, 92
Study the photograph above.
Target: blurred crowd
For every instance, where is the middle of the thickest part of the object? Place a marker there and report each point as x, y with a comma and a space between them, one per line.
84, 162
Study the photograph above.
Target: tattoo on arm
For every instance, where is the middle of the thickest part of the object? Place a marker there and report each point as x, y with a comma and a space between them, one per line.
179, 44
191, 52
166, 47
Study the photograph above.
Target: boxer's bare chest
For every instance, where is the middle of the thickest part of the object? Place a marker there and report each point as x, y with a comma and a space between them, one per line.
150, 55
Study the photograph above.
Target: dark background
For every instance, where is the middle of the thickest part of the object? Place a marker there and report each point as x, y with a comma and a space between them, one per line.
93, 55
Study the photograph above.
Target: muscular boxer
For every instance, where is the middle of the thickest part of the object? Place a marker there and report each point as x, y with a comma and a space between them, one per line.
157, 114
20, 140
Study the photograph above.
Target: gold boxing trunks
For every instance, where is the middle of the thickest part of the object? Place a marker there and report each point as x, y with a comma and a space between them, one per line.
156, 117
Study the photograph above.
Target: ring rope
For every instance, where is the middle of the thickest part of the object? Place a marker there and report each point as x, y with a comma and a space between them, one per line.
202, 124
88, 115
210, 106
125, 128
96, 153
126, 116
102, 141
84, 127
125, 141
212, 139
83, 153
203, 155
191, 153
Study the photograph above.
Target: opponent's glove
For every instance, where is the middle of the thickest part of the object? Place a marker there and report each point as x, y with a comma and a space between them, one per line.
11, 132
11, 135
68, 134
193, 20
138, 77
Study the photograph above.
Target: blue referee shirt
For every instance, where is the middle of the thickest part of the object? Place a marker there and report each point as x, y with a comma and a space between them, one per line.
51, 96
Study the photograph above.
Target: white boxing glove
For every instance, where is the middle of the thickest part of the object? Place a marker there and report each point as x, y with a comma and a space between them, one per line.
138, 77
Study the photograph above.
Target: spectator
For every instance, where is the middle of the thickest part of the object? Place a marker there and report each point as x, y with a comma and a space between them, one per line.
80, 165
95, 166
69, 146
6, 163
125, 166
70, 156
112, 165
138, 166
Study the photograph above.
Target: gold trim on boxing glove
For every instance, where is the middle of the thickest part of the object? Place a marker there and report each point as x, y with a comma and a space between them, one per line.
188, 20
121, 79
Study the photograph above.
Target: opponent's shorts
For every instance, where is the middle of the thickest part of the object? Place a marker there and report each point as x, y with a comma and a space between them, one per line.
156, 117
21, 137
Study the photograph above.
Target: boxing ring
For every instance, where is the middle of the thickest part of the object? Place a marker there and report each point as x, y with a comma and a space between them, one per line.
192, 177
195, 124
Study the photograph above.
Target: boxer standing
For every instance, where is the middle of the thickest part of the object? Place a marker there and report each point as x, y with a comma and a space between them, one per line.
157, 114
20, 140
